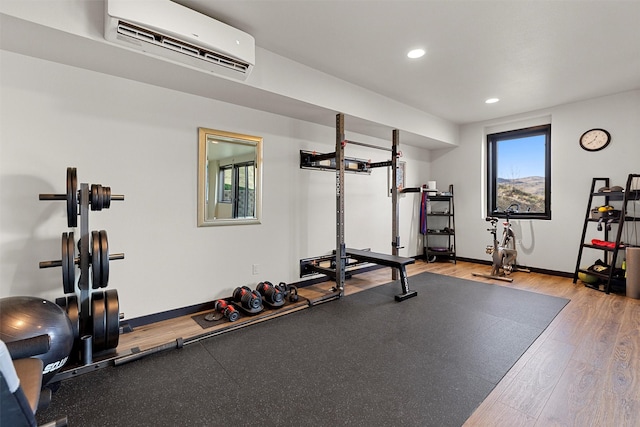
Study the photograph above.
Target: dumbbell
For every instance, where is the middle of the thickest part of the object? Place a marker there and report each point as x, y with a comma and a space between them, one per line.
249, 299
222, 309
276, 294
272, 294
227, 310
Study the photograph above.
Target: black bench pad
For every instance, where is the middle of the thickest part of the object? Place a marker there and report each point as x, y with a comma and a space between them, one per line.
377, 258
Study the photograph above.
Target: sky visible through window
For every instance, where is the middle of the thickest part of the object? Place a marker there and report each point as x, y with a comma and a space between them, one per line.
521, 157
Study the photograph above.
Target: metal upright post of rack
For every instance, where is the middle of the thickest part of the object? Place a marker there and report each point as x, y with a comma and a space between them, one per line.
395, 209
340, 247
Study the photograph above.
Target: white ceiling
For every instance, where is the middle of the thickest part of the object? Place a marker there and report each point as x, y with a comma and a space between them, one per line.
531, 54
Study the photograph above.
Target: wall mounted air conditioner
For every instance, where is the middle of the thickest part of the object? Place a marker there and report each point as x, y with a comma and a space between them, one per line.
168, 30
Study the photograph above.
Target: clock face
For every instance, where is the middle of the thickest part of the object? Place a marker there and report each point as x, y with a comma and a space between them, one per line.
595, 139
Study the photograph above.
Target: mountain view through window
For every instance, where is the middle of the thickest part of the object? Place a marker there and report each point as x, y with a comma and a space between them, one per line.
519, 171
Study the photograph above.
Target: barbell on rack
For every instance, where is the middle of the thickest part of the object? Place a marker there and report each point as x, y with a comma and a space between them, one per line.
99, 197
99, 261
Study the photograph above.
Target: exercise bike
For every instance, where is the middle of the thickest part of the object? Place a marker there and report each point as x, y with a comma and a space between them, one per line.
504, 253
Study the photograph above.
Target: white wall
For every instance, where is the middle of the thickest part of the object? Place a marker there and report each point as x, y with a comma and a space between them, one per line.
553, 244
141, 140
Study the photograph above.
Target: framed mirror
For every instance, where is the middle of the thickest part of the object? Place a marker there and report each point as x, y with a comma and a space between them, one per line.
229, 178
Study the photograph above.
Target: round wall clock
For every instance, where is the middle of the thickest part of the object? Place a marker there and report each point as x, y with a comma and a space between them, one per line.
595, 139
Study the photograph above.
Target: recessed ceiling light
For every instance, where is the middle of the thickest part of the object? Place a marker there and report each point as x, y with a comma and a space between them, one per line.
491, 101
416, 53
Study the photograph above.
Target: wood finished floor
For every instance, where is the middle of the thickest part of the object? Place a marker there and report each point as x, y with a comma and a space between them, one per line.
584, 370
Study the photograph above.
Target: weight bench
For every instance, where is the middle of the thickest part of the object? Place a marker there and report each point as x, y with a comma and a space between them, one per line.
392, 261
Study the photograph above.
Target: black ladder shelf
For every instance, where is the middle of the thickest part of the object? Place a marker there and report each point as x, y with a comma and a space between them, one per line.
604, 222
440, 226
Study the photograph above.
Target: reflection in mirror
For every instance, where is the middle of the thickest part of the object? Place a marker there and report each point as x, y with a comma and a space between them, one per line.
229, 178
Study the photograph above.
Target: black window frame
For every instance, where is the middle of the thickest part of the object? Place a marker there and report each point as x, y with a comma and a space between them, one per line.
492, 170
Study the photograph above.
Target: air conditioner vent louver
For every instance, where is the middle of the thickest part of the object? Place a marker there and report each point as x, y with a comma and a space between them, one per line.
225, 61
172, 44
132, 31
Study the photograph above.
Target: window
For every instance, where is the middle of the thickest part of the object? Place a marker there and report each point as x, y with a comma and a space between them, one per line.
519, 172
226, 182
237, 186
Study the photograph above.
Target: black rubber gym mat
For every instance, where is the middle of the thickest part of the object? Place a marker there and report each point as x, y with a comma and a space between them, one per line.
362, 360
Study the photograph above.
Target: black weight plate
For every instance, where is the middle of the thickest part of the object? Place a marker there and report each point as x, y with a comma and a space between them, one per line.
72, 197
100, 197
94, 197
104, 259
107, 197
71, 263
74, 314
69, 191
65, 262
96, 268
98, 316
112, 311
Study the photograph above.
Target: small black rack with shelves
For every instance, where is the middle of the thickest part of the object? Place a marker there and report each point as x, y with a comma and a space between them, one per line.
610, 221
438, 225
